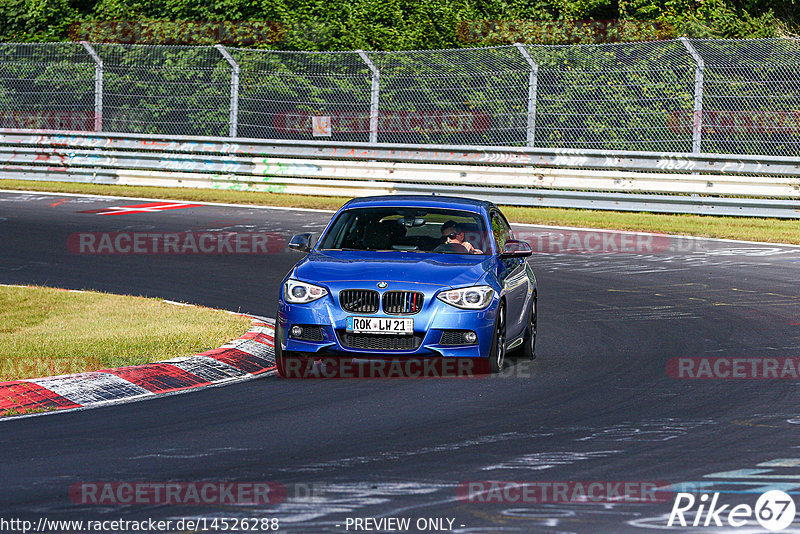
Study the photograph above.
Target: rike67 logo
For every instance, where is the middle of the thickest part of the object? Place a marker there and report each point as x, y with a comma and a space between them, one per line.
774, 510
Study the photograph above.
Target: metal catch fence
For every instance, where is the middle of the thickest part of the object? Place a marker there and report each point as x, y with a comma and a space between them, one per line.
682, 95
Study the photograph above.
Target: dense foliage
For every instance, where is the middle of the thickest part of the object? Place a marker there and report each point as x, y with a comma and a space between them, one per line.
390, 24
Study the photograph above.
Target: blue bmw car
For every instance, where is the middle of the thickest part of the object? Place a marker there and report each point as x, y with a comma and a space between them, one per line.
408, 277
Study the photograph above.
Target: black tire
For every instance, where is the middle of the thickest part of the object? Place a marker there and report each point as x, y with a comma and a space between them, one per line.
497, 355
529, 343
280, 361
292, 365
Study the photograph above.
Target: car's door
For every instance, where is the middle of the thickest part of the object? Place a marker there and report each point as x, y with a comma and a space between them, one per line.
512, 275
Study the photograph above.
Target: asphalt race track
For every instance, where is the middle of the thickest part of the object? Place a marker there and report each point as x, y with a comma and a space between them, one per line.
597, 404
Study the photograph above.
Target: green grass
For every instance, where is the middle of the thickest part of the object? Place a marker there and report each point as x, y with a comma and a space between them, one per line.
46, 331
746, 228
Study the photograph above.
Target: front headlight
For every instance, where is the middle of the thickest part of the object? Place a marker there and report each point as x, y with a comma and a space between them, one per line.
468, 298
297, 292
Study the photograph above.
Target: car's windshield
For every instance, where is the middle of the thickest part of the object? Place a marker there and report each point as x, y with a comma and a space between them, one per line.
408, 229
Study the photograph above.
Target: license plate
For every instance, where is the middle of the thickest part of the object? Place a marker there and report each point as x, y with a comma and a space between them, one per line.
380, 325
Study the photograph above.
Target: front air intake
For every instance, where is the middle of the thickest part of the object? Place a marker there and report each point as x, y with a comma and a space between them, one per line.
402, 302
359, 300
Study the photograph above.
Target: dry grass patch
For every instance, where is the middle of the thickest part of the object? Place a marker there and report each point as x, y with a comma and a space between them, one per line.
46, 332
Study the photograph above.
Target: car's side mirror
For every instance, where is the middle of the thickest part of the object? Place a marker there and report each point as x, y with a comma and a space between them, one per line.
300, 243
514, 248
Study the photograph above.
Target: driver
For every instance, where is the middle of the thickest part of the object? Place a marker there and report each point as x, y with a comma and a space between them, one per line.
455, 240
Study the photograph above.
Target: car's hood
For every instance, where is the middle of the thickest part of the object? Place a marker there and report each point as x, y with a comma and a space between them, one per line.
439, 270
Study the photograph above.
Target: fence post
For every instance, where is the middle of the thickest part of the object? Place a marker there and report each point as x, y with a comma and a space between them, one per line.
697, 119
234, 106
98, 86
533, 87
374, 96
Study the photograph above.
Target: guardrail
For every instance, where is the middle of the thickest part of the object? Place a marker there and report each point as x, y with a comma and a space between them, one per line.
614, 180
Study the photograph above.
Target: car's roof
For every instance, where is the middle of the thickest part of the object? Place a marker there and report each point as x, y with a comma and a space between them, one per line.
419, 201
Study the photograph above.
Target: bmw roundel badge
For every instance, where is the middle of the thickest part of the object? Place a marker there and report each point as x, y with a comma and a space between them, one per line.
382, 285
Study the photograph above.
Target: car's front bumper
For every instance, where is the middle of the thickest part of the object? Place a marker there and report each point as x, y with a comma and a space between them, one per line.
435, 318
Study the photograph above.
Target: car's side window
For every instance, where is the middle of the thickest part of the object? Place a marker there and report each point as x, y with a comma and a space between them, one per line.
501, 230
